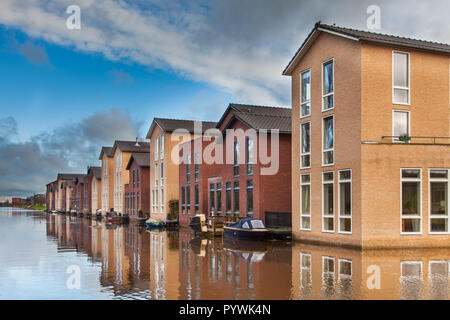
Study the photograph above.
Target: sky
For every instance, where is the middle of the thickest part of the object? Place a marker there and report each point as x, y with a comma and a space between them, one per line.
65, 93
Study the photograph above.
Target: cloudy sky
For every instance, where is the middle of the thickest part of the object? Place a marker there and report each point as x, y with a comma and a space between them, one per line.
65, 93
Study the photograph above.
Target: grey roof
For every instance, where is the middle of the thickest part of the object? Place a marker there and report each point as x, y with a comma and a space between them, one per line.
70, 176
374, 37
261, 117
107, 151
96, 171
130, 146
142, 160
170, 125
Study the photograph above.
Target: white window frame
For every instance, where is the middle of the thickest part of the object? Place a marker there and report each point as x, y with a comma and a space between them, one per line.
331, 93
351, 201
162, 199
302, 103
334, 141
411, 262
409, 79
162, 173
301, 202
302, 154
162, 146
430, 216
323, 204
345, 276
156, 174
156, 148
401, 201
430, 262
393, 124
333, 273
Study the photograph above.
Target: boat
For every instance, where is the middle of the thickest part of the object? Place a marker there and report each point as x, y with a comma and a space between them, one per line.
153, 223
113, 219
246, 229
98, 214
139, 219
125, 218
198, 223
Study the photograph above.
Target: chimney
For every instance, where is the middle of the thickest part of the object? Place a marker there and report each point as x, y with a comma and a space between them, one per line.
137, 143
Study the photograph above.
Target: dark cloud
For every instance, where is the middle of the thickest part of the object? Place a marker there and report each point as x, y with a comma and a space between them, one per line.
26, 167
35, 54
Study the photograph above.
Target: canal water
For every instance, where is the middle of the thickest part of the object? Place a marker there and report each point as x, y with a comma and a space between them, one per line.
44, 256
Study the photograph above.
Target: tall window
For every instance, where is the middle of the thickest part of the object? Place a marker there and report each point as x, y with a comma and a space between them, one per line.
249, 197
328, 202
219, 198
138, 177
162, 200
157, 200
156, 174
328, 85
162, 146
236, 159
212, 196
438, 201
188, 200
228, 198
196, 166
305, 213
345, 201
306, 145
305, 101
400, 124
196, 198
411, 201
162, 173
183, 200
249, 155
400, 90
236, 197
328, 140
156, 148
138, 206
188, 168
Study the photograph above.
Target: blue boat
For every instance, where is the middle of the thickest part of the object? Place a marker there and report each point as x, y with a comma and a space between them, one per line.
246, 229
153, 223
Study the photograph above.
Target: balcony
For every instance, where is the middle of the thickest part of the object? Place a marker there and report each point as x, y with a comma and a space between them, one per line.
421, 140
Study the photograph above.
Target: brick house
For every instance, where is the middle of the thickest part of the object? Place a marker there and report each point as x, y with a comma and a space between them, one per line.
238, 187
95, 188
137, 190
164, 174
78, 191
107, 179
50, 195
370, 165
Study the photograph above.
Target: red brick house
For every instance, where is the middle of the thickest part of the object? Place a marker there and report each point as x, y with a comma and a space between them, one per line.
78, 191
50, 201
242, 185
137, 191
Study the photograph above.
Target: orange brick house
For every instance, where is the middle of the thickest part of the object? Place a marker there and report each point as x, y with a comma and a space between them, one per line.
107, 188
370, 117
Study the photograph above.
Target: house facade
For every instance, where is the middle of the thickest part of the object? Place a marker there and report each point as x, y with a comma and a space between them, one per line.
137, 191
107, 188
165, 135
238, 186
369, 161
95, 183
50, 201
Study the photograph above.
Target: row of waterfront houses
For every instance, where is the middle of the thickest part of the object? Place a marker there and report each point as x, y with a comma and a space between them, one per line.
362, 155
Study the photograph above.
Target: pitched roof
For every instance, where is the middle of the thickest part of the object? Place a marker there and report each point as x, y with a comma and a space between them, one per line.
107, 151
170, 125
367, 36
142, 160
131, 146
70, 176
260, 117
96, 171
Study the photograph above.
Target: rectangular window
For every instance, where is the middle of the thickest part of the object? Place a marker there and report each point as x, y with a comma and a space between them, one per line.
162, 146
219, 198
328, 85
138, 179
438, 203
162, 200
249, 197
188, 169
236, 197
400, 69
236, 159
305, 198
400, 124
249, 156
134, 178
411, 201
328, 276
212, 196
188, 200
196, 166
345, 201
162, 173
305, 101
156, 148
328, 202
156, 174
328, 141
138, 202
196, 198
306, 145
183, 200
228, 198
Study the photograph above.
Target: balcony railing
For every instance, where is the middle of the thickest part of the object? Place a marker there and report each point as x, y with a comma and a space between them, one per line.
417, 139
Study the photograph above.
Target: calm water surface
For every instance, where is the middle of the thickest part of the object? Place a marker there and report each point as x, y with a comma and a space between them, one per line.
128, 262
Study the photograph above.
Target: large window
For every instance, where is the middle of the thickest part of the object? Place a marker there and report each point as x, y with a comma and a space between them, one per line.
328, 85
249, 197
328, 202
400, 69
328, 140
228, 198
162, 200
249, 155
438, 203
188, 168
411, 201
219, 198
305, 211
183, 200
306, 145
156, 174
162, 146
236, 159
400, 124
196, 198
345, 201
305, 274
236, 197
162, 173
305, 101
188, 200
212, 196
156, 148
196, 166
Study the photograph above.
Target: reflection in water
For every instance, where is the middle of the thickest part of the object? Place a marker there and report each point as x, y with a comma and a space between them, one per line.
129, 262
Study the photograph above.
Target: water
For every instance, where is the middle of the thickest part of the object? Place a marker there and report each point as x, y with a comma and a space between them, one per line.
128, 262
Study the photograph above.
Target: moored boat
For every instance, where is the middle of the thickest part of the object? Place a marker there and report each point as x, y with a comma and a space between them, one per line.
246, 229
113, 219
153, 223
198, 223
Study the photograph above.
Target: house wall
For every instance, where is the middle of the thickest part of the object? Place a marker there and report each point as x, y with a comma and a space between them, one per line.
347, 135
107, 184
144, 192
